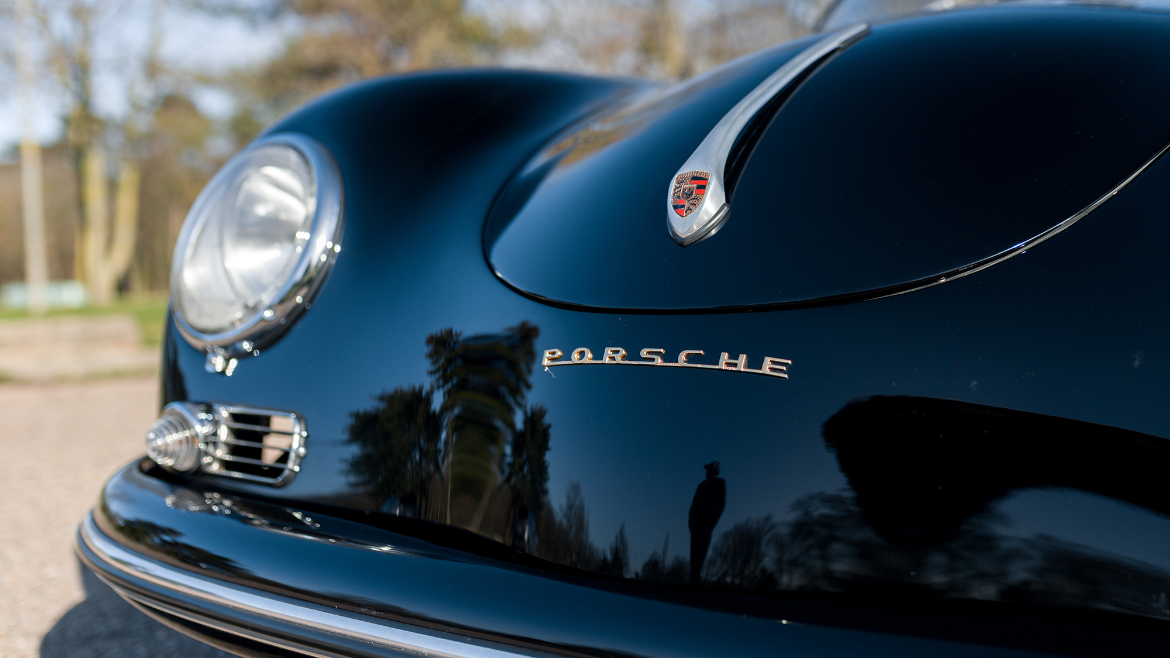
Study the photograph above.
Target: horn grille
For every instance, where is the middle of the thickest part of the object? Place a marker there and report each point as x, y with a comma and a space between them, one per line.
255, 444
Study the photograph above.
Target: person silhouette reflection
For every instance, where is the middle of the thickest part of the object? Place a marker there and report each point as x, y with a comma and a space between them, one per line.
706, 509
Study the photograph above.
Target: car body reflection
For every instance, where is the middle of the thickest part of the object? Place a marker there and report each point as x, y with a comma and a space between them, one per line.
919, 516
464, 449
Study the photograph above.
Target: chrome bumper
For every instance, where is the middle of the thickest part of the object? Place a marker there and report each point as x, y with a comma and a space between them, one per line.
260, 617
257, 578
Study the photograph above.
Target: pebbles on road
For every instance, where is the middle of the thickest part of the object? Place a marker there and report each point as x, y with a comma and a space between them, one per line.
58, 444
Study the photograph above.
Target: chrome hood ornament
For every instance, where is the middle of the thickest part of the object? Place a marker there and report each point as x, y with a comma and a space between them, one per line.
697, 202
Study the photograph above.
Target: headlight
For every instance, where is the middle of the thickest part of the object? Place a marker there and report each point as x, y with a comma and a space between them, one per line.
256, 245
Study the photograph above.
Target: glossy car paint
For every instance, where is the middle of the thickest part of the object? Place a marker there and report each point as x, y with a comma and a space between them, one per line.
986, 451
926, 146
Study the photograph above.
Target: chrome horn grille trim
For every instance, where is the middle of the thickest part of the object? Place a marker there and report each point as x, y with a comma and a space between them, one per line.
247, 447
237, 441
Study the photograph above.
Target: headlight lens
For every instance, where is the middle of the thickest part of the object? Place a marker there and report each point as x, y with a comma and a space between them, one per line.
257, 241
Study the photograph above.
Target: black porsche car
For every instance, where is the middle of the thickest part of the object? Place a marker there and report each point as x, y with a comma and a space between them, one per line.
857, 345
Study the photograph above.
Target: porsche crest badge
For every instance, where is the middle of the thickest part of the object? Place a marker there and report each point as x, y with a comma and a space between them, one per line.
688, 192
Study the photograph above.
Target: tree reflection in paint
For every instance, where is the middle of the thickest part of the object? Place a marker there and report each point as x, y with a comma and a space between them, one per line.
526, 475
468, 448
656, 568
166, 540
482, 383
464, 449
567, 537
401, 453
740, 558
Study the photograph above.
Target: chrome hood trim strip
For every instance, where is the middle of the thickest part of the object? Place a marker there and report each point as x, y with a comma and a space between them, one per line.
702, 220
1024, 246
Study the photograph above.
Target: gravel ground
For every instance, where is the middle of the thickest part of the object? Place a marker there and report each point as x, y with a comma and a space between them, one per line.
59, 443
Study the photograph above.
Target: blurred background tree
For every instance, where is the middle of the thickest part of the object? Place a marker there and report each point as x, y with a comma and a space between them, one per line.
345, 41
97, 207
104, 148
121, 172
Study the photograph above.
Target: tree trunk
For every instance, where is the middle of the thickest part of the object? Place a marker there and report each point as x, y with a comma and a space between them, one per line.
674, 54
32, 197
107, 258
36, 261
125, 222
96, 227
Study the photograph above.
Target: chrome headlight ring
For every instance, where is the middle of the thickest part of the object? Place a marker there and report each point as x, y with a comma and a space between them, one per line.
256, 247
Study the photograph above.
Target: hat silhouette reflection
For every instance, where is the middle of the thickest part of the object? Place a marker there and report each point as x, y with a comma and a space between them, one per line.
706, 509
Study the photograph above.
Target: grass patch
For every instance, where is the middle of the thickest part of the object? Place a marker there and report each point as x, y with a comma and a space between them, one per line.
149, 311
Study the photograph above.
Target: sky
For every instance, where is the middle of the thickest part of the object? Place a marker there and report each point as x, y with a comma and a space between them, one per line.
213, 44
216, 44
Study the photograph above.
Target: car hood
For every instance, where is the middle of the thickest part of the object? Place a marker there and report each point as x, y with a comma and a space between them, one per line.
926, 149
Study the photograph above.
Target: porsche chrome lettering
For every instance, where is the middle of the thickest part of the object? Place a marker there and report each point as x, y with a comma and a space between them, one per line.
773, 366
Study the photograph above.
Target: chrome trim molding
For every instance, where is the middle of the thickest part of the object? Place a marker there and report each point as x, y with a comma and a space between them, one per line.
393, 636
710, 159
153, 608
1024, 246
296, 296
